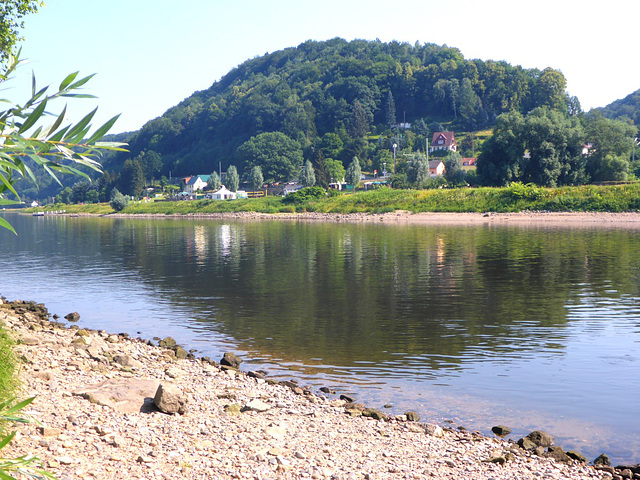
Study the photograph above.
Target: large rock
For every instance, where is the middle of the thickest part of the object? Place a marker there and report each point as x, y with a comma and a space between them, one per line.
126, 395
72, 317
540, 438
168, 342
602, 459
230, 360
169, 399
501, 430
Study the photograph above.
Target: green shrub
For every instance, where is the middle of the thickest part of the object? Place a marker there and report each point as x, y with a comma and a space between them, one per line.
118, 201
304, 195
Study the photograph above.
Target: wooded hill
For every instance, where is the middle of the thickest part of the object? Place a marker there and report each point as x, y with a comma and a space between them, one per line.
625, 109
342, 99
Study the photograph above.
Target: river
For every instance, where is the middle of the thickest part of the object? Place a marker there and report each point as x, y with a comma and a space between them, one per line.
472, 326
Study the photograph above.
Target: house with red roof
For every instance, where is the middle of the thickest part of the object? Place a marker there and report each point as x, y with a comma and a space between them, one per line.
443, 141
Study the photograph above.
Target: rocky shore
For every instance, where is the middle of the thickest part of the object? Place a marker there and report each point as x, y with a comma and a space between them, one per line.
112, 407
628, 220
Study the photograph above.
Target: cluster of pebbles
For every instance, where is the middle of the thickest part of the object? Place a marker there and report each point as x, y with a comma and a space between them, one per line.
111, 407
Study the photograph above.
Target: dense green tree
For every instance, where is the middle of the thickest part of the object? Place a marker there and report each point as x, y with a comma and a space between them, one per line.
502, 159
336, 169
544, 148
117, 200
359, 125
132, 178
231, 179
390, 110
453, 169
307, 175
279, 156
256, 180
554, 142
79, 191
417, 170
214, 181
151, 164
354, 173
64, 196
611, 147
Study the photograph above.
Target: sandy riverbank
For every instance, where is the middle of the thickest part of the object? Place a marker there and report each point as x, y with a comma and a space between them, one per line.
628, 220
234, 425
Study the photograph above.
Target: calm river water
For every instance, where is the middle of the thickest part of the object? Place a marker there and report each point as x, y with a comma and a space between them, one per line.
528, 327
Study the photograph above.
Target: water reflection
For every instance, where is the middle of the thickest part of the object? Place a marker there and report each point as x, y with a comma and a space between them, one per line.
523, 320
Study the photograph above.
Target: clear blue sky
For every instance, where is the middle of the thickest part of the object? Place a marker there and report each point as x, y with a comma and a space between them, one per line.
151, 54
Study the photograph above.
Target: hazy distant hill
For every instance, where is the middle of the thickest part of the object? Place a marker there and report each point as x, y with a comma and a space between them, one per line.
341, 98
625, 108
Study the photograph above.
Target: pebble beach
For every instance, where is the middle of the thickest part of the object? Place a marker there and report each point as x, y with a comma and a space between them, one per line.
111, 407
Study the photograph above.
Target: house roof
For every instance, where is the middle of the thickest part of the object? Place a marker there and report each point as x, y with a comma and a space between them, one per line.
447, 137
434, 163
194, 179
469, 161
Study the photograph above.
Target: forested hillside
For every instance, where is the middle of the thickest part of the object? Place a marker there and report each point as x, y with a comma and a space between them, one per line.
339, 99
627, 108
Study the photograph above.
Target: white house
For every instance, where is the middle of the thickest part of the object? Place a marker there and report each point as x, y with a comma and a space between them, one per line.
195, 183
223, 194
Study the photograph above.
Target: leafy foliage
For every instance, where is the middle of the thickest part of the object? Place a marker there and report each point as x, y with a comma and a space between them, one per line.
305, 195
256, 179
118, 201
11, 13
354, 173
339, 97
55, 148
231, 179
307, 175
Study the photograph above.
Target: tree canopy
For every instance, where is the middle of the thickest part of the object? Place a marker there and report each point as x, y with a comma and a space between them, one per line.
337, 96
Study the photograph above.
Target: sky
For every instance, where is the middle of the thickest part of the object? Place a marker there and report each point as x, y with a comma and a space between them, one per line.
148, 55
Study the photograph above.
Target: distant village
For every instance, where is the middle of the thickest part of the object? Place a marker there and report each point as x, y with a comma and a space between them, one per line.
197, 186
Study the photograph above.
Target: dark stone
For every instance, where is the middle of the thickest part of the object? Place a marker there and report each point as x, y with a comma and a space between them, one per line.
354, 409
602, 459
605, 468
168, 342
526, 444
326, 390
558, 454
347, 398
501, 430
412, 416
374, 413
231, 360
253, 374
181, 353
540, 438
576, 456
72, 317
56, 316
633, 468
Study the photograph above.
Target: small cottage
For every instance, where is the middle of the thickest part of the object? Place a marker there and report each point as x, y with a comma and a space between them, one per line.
195, 183
436, 168
443, 141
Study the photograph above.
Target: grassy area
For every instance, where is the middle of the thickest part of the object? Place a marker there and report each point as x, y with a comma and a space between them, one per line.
516, 198
8, 375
